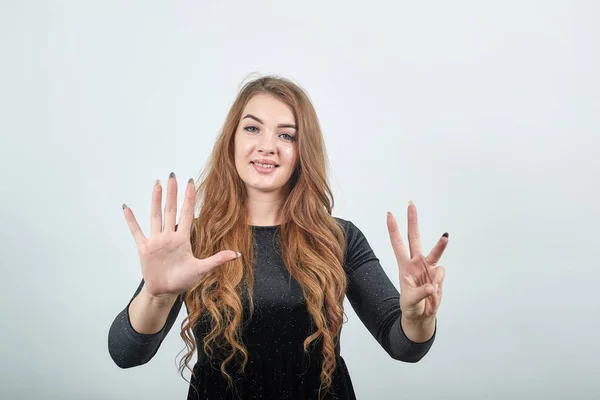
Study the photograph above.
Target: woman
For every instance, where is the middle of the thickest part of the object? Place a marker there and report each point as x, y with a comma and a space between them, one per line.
264, 268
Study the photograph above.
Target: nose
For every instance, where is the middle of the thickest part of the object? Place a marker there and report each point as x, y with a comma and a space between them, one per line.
266, 144
266, 151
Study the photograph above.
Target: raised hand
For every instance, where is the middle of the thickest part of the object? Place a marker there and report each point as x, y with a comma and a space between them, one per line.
421, 279
168, 264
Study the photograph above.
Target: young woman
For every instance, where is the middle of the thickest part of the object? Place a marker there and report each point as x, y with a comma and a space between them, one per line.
264, 268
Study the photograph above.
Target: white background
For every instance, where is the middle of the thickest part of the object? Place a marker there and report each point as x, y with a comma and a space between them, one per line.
485, 114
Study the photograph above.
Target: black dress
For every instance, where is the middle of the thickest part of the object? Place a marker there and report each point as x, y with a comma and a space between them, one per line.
278, 367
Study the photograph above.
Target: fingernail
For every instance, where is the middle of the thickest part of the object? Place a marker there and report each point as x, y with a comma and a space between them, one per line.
238, 255
410, 203
124, 206
157, 182
191, 180
445, 234
172, 175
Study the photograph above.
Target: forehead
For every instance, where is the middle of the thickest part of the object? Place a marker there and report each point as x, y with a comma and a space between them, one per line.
269, 109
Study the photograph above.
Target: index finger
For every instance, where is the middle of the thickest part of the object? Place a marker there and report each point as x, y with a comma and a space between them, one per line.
396, 239
187, 209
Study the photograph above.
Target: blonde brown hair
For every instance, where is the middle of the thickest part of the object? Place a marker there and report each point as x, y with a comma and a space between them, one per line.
312, 242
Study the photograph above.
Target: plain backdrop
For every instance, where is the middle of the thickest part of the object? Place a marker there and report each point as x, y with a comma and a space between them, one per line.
485, 113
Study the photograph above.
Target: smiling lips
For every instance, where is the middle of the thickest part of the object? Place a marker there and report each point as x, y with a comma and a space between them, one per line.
264, 166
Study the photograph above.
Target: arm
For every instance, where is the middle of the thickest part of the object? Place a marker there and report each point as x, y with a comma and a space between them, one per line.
129, 346
148, 314
376, 301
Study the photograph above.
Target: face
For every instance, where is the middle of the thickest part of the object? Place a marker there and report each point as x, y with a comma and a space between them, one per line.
265, 145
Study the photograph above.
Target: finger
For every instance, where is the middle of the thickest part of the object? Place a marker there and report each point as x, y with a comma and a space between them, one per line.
396, 239
436, 253
417, 294
440, 289
414, 241
155, 210
212, 262
438, 275
187, 210
171, 203
438, 282
134, 227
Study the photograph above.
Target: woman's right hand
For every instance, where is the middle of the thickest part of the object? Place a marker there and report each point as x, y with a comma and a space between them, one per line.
169, 267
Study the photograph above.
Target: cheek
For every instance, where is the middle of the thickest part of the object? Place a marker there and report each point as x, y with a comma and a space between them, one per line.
248, 147
243, 148
289, 154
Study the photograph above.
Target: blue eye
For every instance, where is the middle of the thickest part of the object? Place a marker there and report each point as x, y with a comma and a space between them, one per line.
285, 136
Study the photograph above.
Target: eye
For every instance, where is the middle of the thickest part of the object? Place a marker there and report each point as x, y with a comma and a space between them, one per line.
289, 137
251, 129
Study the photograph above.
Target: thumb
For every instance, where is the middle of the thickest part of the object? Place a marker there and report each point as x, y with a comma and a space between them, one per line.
218, 259
416, 295
221, 258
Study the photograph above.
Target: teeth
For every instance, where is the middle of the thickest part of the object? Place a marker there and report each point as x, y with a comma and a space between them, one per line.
265, 165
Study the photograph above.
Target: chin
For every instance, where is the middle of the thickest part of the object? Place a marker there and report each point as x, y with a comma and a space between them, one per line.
263, 187
266, 188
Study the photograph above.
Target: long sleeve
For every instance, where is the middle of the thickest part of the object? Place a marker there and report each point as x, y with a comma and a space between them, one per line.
129, 348
376, 300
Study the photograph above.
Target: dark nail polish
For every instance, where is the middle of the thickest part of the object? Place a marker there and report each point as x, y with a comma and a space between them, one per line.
445, 234
124, 205
172, 175
191, 180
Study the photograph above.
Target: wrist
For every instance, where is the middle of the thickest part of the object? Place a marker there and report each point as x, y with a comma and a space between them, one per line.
157, 301
418, 321
419, 330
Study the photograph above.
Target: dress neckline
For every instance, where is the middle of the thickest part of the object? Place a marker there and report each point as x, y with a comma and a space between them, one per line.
264, 227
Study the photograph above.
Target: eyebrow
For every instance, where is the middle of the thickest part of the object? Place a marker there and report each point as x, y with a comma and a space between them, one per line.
293, 126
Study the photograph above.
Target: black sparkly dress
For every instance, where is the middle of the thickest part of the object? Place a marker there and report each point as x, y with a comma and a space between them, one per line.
278, 367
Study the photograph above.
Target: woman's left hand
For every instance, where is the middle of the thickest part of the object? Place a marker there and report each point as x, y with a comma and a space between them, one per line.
421, 279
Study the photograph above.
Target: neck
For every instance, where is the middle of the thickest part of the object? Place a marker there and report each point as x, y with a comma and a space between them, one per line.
264, 208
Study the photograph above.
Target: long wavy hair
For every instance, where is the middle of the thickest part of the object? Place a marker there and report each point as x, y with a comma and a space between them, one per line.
312, 242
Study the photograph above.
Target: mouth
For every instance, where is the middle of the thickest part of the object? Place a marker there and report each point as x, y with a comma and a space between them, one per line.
264, 169
266, 166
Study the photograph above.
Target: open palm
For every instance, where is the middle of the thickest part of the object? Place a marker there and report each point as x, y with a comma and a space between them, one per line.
169, 266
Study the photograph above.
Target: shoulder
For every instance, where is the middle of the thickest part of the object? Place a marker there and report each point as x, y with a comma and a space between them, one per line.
351, 231
358, 251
